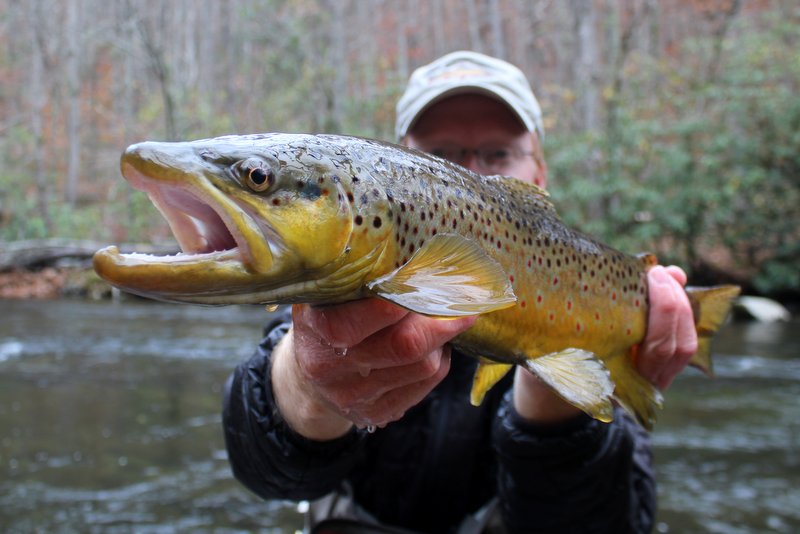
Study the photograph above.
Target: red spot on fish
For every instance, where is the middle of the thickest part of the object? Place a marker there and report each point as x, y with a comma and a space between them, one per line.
552, 317
529, 263
522, 304
511, 278
276, 202
578, 327
637, 303
555, 281
597, 316
569, 304
614, 295
585, 287
539, 299
628, 331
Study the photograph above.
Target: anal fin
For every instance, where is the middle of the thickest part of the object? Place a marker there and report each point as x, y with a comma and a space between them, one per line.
633, 392
579, 378
487, 375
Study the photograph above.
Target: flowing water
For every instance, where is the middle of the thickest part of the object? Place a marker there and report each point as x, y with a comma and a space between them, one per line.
109, 422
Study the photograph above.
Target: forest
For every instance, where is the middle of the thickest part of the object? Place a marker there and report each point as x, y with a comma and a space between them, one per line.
671, 126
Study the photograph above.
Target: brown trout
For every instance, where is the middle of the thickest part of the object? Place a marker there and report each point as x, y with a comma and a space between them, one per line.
282, 218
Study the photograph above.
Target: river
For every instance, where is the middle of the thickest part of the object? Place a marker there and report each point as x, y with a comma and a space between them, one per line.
110, 422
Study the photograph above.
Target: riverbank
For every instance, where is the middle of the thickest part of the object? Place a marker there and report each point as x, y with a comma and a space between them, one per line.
53, 282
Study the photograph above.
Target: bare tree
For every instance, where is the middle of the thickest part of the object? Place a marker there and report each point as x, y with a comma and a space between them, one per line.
473, 25
73, 64
156, 57
586, 61
496, 25
38, 100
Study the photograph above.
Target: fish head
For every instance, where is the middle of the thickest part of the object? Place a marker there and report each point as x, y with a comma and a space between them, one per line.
258, 219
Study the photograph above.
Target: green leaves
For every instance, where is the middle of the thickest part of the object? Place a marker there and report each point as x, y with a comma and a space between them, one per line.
706, 175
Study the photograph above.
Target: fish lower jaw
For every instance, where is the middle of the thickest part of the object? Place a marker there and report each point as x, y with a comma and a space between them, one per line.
227, 255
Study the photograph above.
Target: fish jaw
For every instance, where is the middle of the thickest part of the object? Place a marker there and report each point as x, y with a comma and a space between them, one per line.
230, 253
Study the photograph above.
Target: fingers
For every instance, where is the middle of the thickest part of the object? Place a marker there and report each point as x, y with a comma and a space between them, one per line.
370, 361
410, 339
384, 396
676, 273
671, 338
344, 325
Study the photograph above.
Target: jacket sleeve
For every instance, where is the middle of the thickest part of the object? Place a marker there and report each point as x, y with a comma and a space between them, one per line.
582, 476
265, 454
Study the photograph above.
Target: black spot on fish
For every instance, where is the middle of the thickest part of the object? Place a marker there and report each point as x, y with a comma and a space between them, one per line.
376, 222
359, 220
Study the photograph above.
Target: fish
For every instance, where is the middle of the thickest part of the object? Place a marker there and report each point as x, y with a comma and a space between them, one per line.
321, 219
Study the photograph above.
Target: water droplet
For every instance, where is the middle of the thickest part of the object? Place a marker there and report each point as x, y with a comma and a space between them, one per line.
271, 307
340, 351
371, 429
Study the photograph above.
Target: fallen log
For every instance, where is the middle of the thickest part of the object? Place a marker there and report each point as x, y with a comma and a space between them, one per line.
34, 254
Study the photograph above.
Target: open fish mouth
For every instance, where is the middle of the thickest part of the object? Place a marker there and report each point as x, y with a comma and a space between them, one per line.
223, 242
207, 224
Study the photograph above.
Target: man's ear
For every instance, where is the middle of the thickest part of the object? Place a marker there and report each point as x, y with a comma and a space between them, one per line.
540, 176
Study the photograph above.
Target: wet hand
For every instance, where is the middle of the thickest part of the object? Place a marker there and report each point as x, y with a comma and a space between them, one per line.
364, 362
671, 338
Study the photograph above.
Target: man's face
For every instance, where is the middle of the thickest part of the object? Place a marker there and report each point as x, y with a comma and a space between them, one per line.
481, 134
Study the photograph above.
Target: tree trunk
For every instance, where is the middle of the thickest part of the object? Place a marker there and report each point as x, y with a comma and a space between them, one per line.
473, 25
74, 98
38, 101
586, 63
496, 25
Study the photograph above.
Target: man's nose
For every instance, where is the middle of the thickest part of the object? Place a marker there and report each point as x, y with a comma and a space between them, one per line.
470, 161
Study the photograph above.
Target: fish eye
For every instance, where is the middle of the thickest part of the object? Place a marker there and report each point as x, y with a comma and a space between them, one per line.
256, 176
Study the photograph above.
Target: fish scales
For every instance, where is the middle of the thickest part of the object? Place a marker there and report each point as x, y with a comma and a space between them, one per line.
562, 278
281, 218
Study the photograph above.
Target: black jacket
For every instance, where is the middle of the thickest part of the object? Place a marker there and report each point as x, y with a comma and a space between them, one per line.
446, 459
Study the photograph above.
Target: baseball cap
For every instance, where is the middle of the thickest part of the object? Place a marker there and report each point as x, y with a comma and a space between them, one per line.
466, 72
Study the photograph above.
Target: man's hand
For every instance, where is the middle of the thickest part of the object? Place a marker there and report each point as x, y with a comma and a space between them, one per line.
364, 362
669, 343
671, 338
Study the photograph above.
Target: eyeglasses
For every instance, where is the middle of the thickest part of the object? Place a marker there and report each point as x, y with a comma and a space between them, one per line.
488, 158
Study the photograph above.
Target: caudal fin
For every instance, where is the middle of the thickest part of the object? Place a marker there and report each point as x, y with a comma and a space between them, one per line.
710, 306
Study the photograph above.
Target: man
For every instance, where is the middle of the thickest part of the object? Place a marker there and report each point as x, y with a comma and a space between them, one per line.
295, 414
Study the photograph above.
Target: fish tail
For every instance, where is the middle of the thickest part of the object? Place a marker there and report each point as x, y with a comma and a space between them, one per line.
633, 392
710, 306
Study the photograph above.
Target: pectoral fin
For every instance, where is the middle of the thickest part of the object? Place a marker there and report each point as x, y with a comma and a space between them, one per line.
450, 276
487, 375
579, 378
